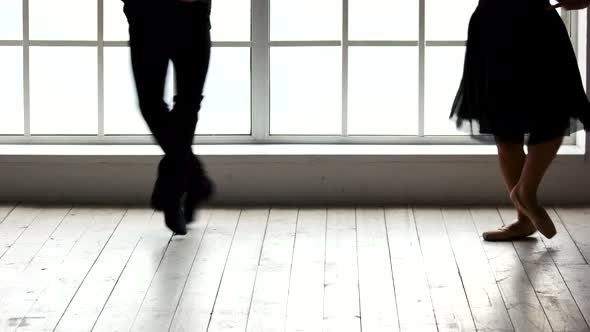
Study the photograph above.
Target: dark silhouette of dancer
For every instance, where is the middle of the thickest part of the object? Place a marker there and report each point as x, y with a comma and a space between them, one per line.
161, 31
521, 84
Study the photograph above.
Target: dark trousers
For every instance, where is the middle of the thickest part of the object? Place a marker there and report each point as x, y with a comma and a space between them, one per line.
160, 32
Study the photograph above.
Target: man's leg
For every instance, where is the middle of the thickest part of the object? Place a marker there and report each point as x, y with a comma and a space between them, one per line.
191, 53
149, 60
150, 56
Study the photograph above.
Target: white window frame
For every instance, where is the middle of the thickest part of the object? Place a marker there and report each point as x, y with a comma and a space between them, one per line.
260, 46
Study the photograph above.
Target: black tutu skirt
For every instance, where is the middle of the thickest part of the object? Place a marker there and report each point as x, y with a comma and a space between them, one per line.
521, 76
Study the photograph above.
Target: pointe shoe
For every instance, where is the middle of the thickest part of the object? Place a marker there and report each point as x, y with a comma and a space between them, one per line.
516, 231
537, 215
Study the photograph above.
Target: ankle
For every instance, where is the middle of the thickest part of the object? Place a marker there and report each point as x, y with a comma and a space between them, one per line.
527, 197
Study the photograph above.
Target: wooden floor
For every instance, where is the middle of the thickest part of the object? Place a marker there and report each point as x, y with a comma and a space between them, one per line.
283, 269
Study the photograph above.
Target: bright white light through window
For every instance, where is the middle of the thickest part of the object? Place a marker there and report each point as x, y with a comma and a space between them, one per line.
115, 22
383, 91
383, 20
121, 109
448, 20
11, 18
230, 20
444, 68
306, 92
303, 71
63, 19
226, 107
305, 20
64, 91
11, 90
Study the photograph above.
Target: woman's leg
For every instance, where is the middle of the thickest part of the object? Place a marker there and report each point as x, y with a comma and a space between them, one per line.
524, 194
511, 159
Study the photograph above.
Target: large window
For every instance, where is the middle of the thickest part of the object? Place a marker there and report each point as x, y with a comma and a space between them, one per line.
308, 71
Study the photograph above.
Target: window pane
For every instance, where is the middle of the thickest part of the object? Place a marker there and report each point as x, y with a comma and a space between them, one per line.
383, 91
448, 20
63, 90
11, 16
226, 107
230, 20
306, 90
121, 109
63, 19
444, 69
305, 20
383, 20
11, 90
115, 23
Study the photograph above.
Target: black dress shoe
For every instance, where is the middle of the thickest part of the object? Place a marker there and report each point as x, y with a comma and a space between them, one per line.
165, 186
175, 220
198, 192
158, 201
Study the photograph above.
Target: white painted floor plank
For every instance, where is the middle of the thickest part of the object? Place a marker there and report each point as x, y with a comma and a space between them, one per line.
572, 265
230, 312
125, 300
522, 302
341, 297
269, 301
576, 278
48, 308
13, 278
32, 239
15, 224
377, 291
558, 303
576, 221
305, 310
21, 286
450, 302
562, 247
92, 295
289, 269
416, 312
485, 300
198, 298
162, 298
552, 291
5, 209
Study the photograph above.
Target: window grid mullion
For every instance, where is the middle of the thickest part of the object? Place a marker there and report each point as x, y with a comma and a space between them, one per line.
260, 72
421, 65
100, 57
574, 31
26, 71
345, 67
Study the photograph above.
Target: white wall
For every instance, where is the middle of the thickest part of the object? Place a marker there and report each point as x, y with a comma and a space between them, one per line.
284, 179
